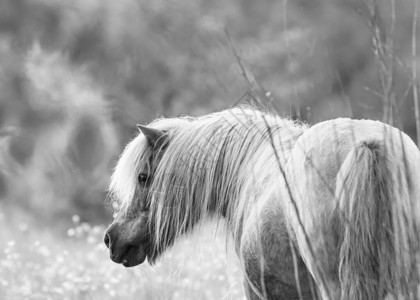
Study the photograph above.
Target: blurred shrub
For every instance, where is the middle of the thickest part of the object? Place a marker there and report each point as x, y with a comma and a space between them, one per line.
66, 142
76, 76
21, 148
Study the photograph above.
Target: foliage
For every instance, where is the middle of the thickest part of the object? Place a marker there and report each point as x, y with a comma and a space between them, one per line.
75, 78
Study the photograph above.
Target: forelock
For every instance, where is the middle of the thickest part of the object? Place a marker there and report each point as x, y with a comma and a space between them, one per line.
134, 158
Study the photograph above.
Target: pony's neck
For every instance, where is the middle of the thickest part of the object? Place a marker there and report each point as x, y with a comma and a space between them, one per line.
245, 165
218, 166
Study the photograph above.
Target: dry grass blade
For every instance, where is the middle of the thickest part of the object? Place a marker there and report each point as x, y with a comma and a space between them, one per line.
414, 70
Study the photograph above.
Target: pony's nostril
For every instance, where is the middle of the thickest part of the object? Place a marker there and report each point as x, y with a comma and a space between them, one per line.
107, 240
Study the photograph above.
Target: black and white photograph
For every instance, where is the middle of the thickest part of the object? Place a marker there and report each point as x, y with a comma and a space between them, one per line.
209, 150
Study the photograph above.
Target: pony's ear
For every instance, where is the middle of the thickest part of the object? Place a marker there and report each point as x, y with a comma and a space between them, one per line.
152, 134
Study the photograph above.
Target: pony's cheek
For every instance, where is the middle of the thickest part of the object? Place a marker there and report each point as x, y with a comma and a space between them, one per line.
137, 230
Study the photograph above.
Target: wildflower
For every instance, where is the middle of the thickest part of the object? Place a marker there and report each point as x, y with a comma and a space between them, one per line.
97, 230
75, 219
69, 286
44, 251
23, 227
4, 283
91, 240
71, 232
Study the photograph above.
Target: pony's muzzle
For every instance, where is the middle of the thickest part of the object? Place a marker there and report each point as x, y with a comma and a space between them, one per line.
121, 252
109, 242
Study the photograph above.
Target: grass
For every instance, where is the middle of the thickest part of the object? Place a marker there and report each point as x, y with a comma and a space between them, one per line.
40, 263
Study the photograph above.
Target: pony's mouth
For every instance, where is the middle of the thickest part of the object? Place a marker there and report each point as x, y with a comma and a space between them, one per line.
133, 256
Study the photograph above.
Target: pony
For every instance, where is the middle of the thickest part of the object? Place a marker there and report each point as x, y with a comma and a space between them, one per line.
330, 211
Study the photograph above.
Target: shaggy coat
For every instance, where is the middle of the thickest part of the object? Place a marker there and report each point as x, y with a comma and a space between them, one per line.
330, 211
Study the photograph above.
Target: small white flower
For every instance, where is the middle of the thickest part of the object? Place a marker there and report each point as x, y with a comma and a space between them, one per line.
75, 219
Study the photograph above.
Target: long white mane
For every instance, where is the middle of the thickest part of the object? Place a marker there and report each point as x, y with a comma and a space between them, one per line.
215, 165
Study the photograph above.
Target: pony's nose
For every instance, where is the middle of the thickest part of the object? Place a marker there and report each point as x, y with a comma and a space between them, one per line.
107, 240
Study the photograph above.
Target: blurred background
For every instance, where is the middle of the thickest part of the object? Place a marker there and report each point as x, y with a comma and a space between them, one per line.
77, 76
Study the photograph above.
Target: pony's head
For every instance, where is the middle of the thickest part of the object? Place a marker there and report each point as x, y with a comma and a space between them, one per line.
127, 237
130, 236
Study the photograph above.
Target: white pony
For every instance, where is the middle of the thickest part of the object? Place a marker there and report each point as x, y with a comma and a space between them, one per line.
330, 211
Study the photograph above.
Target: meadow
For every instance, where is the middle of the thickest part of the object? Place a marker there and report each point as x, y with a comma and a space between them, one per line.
76, 78
39, 263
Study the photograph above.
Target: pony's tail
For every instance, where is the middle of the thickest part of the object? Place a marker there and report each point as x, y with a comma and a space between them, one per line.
376, 236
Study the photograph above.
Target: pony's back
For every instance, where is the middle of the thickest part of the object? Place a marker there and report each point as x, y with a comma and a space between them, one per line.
358, 211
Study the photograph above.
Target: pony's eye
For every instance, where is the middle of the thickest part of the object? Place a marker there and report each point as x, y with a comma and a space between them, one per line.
142, 179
